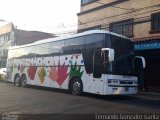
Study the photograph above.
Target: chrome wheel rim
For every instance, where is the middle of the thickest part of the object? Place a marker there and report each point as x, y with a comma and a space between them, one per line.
76, 88
24, 81
17, 81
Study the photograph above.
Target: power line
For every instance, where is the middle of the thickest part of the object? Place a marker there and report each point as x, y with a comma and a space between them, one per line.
105, 18
136, 20
80, 23
129, 11
93, 20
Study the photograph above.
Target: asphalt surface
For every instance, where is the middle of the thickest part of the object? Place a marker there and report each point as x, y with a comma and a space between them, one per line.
38, 100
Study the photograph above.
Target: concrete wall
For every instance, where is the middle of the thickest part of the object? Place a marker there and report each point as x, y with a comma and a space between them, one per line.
100, 14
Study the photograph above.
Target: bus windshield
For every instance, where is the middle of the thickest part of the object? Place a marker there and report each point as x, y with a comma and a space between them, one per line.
123, 63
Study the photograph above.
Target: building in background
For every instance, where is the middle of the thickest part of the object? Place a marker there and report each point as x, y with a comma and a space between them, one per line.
6, 40
126, 17
25, 37
139, 20
10, 36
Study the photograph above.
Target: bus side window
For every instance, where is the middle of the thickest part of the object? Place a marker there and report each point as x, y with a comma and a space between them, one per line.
93, 41
29, 52
73, 45
56, 47
42, 50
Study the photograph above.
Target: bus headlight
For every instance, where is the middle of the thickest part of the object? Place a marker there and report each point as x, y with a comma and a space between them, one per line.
114, 82
109, 81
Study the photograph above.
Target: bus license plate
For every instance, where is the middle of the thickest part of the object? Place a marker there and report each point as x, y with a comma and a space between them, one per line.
126, 88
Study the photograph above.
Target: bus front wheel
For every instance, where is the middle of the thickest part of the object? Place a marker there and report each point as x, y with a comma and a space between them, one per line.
76, 86
17, 80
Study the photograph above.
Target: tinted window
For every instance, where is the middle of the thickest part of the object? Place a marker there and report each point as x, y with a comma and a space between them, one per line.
42, 50
73, 45
88, 60
123, 63
124, 27
121, 44
93, 41
155, 21
22, 52
97, 64
56, 47
86, 1
26, 52
74, 41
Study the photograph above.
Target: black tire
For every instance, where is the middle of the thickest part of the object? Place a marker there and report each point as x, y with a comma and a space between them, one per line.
23, 81
76, 87
17, 80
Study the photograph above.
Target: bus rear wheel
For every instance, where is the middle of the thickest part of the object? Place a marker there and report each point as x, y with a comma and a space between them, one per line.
17, 80
23, 80
76, 87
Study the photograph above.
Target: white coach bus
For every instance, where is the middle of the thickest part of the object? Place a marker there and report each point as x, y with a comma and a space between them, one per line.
96, 61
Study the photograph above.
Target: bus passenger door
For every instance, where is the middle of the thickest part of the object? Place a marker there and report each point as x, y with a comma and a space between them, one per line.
97, 64
93, 66
98, 78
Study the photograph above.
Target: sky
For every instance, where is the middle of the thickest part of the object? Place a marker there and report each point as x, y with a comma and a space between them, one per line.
41, 15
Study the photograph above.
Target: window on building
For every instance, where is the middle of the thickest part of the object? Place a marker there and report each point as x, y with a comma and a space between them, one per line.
155, 22
5, 52
1, 53
87, 1
124, 27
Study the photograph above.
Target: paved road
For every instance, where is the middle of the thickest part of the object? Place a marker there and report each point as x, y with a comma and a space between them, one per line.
48, 101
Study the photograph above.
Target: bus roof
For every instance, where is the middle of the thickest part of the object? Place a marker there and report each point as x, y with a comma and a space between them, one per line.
70, 36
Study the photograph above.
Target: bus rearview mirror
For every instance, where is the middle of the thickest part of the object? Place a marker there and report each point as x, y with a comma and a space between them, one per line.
108, 54
142, 60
